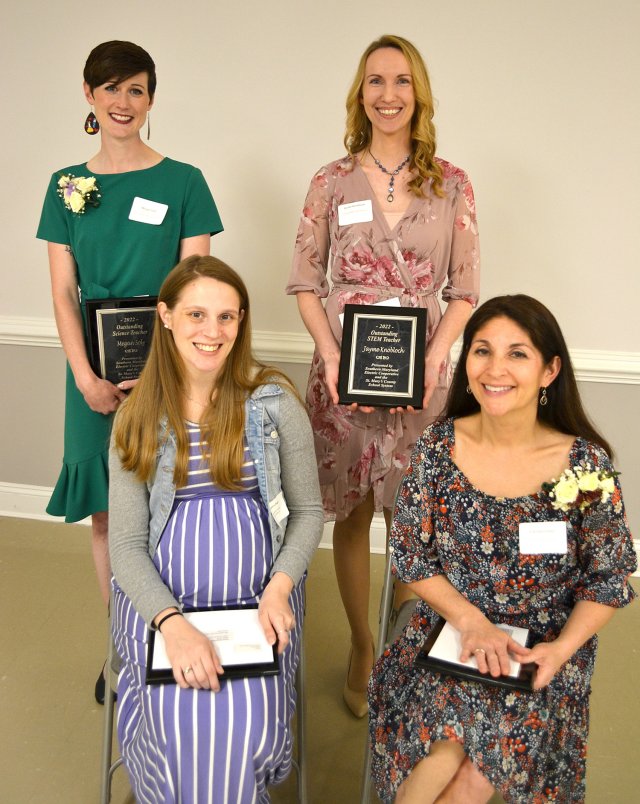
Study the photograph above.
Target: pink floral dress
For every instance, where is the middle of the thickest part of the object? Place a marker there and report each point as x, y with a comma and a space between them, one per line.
432, 249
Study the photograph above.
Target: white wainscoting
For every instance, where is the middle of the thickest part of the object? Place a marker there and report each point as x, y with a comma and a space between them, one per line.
591, 365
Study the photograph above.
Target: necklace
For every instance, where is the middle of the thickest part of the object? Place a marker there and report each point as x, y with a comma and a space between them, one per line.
391, 173
195, 401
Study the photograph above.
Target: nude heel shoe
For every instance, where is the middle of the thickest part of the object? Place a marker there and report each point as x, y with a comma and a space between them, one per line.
356, 701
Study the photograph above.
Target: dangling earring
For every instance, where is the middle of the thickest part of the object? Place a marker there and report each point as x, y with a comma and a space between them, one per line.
469, 391
148, 125
544, 400
91, 125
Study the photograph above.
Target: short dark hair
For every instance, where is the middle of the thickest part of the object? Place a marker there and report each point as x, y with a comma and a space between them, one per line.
117, 61
564, 411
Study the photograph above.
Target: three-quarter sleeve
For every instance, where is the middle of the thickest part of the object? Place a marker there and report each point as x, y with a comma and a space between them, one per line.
311, 252
463, 281
606, 553
412, 540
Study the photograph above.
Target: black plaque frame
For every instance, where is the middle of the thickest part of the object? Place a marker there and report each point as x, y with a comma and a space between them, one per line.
523, 681
119, 333
165, 675
382, 356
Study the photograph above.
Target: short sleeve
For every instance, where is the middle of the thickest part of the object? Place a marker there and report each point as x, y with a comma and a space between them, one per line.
464, 264
412, 540
606, 552
199, 212
54, 224
311, 252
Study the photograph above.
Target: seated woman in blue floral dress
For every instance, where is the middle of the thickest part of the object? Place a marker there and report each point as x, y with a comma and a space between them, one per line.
214, 501
515, 447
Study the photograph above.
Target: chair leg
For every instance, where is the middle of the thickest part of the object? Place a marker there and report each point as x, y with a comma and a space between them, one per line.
107, 732
301, 747
386, 602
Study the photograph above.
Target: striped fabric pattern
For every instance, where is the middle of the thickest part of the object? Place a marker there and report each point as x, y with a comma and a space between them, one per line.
195, 746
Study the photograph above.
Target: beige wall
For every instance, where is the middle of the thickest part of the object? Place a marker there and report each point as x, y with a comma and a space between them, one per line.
537, 101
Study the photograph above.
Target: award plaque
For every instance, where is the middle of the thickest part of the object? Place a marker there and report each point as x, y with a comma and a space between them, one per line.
238, 638
119, 333
382, 356
443, 647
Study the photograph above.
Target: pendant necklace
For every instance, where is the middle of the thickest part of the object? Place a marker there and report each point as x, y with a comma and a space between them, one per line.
195, 401
391, 174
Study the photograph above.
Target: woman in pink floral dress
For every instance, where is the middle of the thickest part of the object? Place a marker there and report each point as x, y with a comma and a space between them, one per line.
414, 237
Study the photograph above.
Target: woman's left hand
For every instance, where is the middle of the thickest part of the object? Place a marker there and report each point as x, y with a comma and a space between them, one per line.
431, 377
549, 658
274, 611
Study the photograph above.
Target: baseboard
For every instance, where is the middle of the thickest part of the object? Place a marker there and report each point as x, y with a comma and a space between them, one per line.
591, 365
30, 502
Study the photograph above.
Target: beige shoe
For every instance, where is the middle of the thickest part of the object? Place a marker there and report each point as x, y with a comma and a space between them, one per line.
356, 701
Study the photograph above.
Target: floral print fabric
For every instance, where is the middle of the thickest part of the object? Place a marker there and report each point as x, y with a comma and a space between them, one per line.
433, 249
530, 745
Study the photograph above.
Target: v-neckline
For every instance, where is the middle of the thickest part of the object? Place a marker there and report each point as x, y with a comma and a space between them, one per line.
374, 200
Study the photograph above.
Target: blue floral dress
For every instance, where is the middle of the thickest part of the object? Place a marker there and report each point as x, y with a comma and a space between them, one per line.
530, 745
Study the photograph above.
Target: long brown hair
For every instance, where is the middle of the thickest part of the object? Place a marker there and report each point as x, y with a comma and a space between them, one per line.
564, 411
161, 387
423, 133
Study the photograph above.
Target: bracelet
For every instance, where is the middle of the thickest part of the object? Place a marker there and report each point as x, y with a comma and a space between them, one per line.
167, 616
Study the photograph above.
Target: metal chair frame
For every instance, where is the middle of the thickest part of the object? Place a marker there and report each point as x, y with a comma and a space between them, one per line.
109, 766
386, 604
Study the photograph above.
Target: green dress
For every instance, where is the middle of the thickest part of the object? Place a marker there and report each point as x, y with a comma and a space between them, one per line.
116, 256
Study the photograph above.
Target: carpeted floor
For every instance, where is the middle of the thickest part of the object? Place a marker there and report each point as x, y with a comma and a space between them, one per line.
53, 643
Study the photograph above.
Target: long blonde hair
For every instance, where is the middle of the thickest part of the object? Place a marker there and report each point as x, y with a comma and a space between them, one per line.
423, 133
161, 388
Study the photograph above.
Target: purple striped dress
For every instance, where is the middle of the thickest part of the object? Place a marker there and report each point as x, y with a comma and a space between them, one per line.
196, 746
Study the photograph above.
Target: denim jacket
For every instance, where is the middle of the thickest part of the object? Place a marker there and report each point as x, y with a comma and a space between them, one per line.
261, 429
281, 444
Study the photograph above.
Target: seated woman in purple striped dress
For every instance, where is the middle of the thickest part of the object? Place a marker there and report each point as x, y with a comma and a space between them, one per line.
214, 501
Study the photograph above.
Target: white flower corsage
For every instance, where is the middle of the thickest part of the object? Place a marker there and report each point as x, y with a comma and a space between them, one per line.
78, 191
580, 488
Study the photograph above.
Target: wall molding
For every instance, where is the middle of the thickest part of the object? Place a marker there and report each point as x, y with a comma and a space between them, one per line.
591, 365
29, 502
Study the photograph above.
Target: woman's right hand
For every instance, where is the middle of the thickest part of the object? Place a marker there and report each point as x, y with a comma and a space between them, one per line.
193, 658
492, 647
101, 395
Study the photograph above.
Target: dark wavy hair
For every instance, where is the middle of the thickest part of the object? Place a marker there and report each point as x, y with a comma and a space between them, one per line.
564, 411
116, 61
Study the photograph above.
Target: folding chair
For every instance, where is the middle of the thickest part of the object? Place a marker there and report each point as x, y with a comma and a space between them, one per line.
386, 603
108, 767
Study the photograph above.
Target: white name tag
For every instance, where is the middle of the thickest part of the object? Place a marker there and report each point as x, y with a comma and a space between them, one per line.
278, 508
355, 212
542, 537
145, 211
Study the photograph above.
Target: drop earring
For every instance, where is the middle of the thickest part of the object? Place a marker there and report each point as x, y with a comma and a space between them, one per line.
544, 399
469, 391
148, 125
91, 125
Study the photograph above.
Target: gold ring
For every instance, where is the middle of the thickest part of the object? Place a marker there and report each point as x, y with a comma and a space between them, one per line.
187, 670
479, 650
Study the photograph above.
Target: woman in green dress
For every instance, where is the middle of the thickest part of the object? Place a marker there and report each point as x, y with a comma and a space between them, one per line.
114, 226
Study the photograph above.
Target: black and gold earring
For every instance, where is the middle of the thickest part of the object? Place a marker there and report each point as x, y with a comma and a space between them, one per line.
544, 399
91, 125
